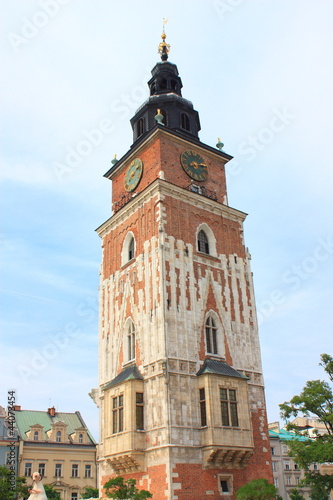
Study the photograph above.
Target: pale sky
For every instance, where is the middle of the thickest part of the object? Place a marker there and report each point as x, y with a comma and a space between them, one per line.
260, 74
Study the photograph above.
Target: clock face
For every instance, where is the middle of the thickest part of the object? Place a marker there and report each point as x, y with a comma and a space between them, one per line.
194, 165
133, 174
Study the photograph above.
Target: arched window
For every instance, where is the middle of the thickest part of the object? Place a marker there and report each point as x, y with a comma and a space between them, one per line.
36, 436
203, 245
131, 249
131, 341
140, 127
58, 436
211, 335
173, 84
80, 438
163, 83
185, 121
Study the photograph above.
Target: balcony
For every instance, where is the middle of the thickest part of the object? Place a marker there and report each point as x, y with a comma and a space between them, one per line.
122, 202
203, 191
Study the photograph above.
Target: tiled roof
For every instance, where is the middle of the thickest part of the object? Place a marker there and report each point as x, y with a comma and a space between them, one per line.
26, 418
219, 368
129, 373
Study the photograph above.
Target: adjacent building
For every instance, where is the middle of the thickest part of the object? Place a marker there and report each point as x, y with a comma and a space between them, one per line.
9, 443
60, 447
181, 394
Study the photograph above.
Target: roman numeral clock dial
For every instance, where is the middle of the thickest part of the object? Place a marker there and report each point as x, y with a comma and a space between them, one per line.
133, 175
194, 165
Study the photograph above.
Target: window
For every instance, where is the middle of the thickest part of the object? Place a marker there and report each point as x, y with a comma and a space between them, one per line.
131, 249
276, 482
203, 245
288, 480
185, 121
273, 451
58, 437
74, 496
140, 127
211, 335
315, 466
118, 414
224, 486
229, 407
163, 83
28, 469
58, 470
285, 448
139, 411
41, 469
87, 470
287, 465
36, 436
295, 466
80, 438
75, 470
203, 417
274, 466
131, 341
173, 84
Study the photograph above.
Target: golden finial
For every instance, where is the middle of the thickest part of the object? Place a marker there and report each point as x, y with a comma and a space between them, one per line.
164, 48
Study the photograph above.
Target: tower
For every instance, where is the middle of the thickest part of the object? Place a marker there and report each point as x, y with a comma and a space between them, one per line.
181, 396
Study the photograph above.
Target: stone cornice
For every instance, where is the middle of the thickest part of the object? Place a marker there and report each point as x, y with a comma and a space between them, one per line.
165, 188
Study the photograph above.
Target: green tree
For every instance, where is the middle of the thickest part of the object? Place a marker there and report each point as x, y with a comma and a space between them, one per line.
316, 399
257, 489
91, 493
121, 489
6, 492
296, 495
51, 493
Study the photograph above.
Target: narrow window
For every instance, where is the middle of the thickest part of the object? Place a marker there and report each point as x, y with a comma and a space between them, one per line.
87, 470
58, 437
36, 436
211, 335
273, 451
75, 470
140, 127
287, 465
229, 412
274, 466
163, 83
28, 469
224, 486
203, 245
131, 342
41, 469
131, 249
203, 417
58, 470
74, 496
185, 121
118, 414
173, 84
80, 438
139, 411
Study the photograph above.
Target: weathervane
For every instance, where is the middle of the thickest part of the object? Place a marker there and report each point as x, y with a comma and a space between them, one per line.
164, 48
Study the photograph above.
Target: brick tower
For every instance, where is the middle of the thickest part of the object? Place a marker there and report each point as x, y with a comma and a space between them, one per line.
181, 396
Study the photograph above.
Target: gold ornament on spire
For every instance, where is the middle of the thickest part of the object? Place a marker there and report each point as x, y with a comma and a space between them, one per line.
164, 48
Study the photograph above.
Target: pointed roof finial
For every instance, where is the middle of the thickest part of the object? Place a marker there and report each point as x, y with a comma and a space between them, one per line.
164, 48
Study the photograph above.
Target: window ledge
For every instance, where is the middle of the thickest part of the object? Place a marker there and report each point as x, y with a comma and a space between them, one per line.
128, 263
207, 255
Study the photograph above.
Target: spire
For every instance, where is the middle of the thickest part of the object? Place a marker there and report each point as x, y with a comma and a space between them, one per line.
164, 48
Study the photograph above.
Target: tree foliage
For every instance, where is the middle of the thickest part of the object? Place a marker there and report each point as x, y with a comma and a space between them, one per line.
316, 399
51, 493
295, 494
91, 493
6, 491
257, 489
121, 489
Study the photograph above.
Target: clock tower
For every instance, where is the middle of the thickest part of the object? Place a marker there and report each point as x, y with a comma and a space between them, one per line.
181, 395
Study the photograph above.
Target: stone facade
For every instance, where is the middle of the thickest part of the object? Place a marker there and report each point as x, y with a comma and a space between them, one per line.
181, 396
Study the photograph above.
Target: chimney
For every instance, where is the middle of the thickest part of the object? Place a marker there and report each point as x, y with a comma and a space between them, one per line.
17, 407
51, 411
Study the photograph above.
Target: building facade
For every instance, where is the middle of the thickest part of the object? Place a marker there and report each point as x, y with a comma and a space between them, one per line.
9, 443
181, 395
60, 447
